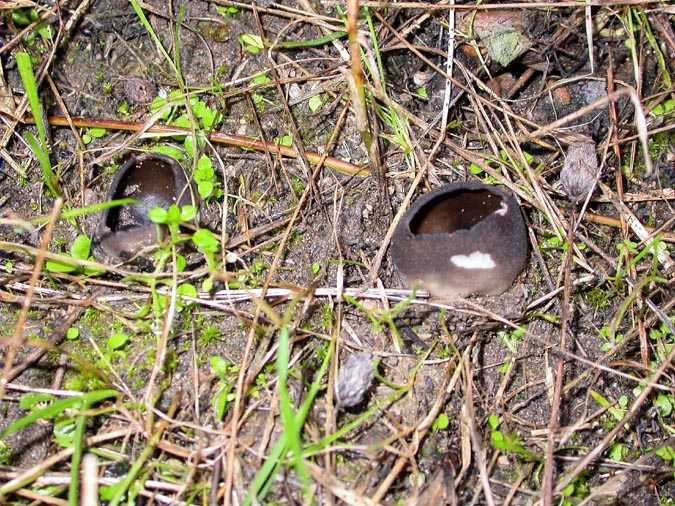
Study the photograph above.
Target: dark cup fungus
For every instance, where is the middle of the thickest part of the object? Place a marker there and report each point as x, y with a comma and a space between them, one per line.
465, 238
152, 181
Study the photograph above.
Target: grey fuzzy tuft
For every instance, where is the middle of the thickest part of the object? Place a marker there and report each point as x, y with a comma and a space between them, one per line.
579, 171
354, 379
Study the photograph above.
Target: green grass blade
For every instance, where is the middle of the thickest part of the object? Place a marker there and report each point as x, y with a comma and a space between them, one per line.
78, 447
25, 68
148, 28
321, 445
42, 156
74, 487
288, 418
40, 149
314, 388
660, 60
264, 476
56, 408
320, 41
177, 45
376, 48
83, 211
122, 487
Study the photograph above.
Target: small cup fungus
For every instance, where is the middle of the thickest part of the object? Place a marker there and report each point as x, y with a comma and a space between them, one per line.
152, 181
462, 239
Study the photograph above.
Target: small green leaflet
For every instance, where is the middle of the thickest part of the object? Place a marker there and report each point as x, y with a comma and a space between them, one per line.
251, 43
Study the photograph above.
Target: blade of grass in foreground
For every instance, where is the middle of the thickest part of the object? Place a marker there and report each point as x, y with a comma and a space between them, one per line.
82, 211
292, 425
57, 408
78, 444
148, 28
25, 68
38, 147
298, 44
263, 478
42, 155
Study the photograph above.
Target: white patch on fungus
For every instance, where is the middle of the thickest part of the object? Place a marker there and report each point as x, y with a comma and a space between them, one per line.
476, 260
503, 209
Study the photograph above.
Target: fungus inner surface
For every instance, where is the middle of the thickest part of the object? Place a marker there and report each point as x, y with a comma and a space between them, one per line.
457, 210
152, 183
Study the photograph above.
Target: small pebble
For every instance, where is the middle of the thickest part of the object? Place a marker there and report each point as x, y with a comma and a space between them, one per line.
580, 170
294, 91
354, 379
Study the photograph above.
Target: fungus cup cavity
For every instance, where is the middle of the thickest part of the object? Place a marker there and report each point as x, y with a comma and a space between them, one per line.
152, 181
462, 239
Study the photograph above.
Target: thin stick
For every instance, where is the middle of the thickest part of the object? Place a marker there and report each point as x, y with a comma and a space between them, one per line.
215, 137
614, 222
385, 4
160, 353
56, 336
554, 419
17, 338
35, 472
90, 480
476, 440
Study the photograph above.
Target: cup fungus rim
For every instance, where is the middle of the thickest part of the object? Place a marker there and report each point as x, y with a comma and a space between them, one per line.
425, 199
106, 230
